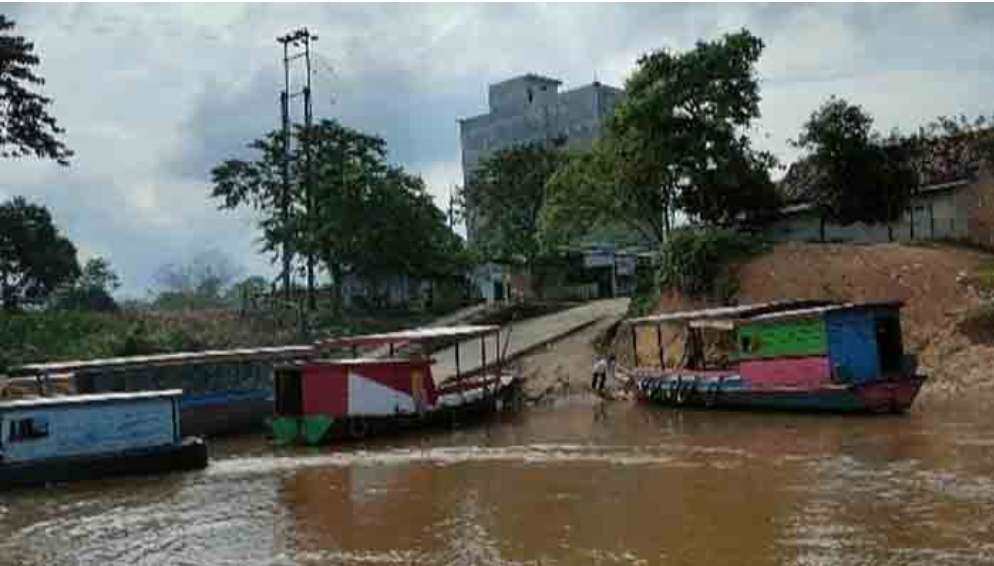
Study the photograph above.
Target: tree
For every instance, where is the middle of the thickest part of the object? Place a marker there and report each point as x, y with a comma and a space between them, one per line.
258, 184
35, 259
677, 141
200, 282
26, 128
856, 175
363, 216
506, 194
92, 289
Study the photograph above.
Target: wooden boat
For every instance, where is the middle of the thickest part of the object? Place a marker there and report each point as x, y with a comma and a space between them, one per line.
54, 439
224, 391
326, 399
795, 356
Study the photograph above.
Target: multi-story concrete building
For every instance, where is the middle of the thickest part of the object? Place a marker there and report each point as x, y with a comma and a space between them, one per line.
530, 108
526, 109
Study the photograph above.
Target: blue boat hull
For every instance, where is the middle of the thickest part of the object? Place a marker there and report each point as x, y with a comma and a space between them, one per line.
882, 396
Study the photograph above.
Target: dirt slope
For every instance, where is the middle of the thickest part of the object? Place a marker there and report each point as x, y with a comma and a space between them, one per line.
933, 280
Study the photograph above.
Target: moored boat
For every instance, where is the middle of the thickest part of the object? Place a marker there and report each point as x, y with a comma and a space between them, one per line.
352, 397
795, 356
75, 437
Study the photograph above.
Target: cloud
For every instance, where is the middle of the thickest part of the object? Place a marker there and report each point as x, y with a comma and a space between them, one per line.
153, 96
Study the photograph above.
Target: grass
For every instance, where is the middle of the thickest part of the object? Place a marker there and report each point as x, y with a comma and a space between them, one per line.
983, 277
978, 324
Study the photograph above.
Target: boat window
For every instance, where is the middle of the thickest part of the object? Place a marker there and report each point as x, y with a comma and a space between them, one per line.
889, 349
28, 429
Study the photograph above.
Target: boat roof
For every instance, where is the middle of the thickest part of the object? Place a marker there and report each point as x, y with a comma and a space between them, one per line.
733, 312
817, 311
412, 335
158, 360
88, 399
729, 317
351, 362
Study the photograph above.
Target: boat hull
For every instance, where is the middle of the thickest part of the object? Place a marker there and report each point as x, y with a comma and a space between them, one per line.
883, 396
323, 429
191, 454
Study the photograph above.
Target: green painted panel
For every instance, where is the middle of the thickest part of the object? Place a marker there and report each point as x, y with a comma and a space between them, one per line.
315, 427
286, 429
806, 337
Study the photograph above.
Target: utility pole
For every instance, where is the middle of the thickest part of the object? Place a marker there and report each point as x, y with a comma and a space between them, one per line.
309, 173
298, 38
285, 197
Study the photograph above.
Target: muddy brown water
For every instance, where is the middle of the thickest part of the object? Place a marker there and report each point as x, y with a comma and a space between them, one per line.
581, 482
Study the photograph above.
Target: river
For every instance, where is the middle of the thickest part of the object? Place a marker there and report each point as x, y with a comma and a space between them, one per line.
580, 482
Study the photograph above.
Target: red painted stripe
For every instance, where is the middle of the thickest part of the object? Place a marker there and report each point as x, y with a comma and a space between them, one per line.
326, 390
796, 372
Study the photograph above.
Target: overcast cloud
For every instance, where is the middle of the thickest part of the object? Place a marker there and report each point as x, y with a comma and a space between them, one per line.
153, 96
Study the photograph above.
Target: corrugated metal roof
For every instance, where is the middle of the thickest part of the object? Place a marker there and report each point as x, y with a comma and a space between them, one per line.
131, 362
85, 399
412, 335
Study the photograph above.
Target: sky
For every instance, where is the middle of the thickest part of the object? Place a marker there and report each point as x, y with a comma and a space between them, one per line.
153, 96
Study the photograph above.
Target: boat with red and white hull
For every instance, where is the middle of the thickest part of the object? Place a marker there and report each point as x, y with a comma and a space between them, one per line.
792, 356
353, 397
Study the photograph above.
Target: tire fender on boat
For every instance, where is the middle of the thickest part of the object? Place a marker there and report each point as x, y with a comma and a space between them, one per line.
713, 389
358, 427
683, 392
673, 389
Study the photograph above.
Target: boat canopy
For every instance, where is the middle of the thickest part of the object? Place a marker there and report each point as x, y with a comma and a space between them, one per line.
412, 335
728, 313
159, 360
727, 318
812, 312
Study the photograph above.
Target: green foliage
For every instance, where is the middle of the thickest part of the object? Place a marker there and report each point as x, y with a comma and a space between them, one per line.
361, 216
505, 196
983, 278
859, 177
57, 334
26, 128
700, 263
197, 284
92, 289
978, 324
646, 294
35, 259
677, 141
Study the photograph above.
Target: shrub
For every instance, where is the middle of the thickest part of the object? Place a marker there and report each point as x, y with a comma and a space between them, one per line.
700, 262
978, 324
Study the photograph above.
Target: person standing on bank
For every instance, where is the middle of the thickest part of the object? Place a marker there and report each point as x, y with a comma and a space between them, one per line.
600, 374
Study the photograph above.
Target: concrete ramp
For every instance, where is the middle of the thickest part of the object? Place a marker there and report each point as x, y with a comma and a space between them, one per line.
524, 337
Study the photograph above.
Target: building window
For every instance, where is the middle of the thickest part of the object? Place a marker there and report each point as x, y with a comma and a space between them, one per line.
28, 429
